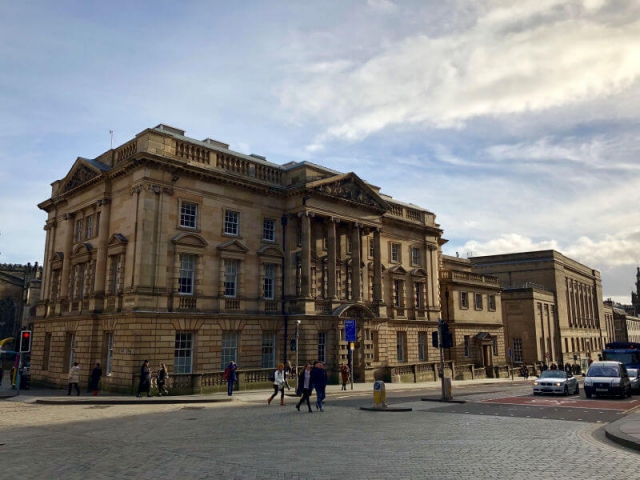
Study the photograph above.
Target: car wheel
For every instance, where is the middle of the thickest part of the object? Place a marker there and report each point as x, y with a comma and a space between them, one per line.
566, 390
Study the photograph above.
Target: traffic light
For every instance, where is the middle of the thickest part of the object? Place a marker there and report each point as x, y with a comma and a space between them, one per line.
447, 336
292, 344
25, 341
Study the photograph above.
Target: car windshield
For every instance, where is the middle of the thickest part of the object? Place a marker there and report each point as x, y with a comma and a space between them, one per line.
553, 374
603, 372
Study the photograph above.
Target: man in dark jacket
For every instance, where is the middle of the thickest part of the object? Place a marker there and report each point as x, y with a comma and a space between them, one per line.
231, 376
145, 379
319, 381
96, 374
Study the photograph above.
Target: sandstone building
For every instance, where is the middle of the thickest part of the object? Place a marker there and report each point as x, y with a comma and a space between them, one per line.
185, 252
553, 306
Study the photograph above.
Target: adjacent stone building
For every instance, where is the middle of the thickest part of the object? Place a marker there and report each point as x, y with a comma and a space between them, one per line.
19, 292
553, 305
472, 308
185, 252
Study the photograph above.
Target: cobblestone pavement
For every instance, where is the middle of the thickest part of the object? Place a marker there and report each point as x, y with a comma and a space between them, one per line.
250, 440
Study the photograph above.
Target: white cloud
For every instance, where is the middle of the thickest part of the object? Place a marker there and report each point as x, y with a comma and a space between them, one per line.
523, 57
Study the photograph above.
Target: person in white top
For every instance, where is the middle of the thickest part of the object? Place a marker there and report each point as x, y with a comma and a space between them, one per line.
279, 380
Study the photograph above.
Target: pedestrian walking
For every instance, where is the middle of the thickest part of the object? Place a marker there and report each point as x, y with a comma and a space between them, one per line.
145, 380
163, 376
345, 374
96, 373
319, 381
278, 384
288, 373
304, 387
231, 376
74, 378
524, 371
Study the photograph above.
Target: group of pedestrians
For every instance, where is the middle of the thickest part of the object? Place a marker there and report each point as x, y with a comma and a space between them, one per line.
309, 379
145, 380
73, 379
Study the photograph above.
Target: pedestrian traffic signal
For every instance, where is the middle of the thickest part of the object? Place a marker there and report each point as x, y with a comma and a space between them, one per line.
293, 344
447, 336
25, 341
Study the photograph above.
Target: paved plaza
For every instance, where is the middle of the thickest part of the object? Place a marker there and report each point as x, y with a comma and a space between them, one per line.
246, 439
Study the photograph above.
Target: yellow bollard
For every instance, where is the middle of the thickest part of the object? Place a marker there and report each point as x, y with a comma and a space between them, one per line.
379, 395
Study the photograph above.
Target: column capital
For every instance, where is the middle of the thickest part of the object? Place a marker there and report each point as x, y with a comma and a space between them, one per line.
104, 201
306, 213
69, 216
332, 220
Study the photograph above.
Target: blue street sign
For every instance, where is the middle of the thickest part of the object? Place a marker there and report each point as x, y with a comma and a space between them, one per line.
350, 330
509, 352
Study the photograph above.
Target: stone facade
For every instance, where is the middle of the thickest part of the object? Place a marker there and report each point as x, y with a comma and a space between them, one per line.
574, 316
473, 309
184, 252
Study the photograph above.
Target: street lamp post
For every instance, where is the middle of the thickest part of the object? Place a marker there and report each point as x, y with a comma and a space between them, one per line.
297, 346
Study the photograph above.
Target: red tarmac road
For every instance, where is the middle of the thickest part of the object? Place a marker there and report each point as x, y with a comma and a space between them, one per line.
568, 402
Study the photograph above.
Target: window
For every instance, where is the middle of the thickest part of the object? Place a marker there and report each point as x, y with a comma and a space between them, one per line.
189, 215
71, 350
322, 347
47, 352
268, 350
495, 345
400, 350
397, 291
269, 230
231, 223
231, 277
492, 303
187, 274
415, 256
464, 299
375, 339
371, 248
421, 347
467, 346
78, 235
517, 350
418, 289
229, 348
349, 244
478, 301
90, 227
395, 252
108, 364
269, 281
183, 358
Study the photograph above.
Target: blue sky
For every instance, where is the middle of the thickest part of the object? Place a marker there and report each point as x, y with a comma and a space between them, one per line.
516, 123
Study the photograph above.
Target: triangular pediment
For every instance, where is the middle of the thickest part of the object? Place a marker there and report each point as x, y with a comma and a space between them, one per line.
348, 187
83, 171
419, 272
189, 240
398, 270
82, 248
117, 239
233, 246
270, 251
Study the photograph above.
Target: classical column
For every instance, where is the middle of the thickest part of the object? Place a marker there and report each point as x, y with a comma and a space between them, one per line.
66, 261
355, 262
377, 266
305, 218
103, 238
331, 260
50, 228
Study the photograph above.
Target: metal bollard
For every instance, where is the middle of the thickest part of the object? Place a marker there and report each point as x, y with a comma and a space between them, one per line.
379, 395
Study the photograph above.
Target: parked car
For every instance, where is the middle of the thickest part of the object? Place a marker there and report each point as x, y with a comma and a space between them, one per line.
607, 378
556, 381
634, 377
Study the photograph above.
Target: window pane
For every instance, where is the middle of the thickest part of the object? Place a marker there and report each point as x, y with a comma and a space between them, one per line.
269, 281
322, 346
229, 348
231, 277
187, 274
183, 358
231, 222
188, 215
268, 350
269, 230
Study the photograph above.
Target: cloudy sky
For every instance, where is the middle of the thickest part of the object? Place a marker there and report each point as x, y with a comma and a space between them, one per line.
516, 123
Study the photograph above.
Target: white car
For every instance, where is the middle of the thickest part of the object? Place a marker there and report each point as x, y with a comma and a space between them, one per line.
607, 378
556, 381
634, 376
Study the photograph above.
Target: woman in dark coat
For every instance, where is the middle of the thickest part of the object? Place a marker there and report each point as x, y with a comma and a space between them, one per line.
304, 387
96, 373
145, 379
